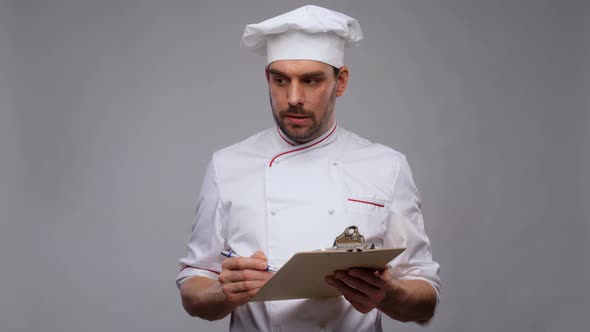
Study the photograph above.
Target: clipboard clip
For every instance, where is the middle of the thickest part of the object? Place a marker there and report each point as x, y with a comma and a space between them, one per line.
351, 240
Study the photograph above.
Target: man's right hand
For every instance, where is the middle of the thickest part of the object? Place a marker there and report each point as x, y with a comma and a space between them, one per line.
242, 277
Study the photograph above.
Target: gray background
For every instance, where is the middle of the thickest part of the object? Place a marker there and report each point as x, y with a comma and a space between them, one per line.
110, 111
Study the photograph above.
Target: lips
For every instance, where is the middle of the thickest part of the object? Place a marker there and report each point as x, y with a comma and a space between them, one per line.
296, 119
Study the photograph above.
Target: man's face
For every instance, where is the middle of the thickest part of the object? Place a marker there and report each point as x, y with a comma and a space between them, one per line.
302, 96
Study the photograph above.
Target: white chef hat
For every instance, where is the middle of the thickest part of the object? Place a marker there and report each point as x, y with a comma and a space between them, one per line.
306, 33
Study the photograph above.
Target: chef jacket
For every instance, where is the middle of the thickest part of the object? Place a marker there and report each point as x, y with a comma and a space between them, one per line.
267, 193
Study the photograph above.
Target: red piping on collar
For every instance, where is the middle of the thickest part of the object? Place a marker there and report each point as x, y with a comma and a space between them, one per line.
303, 148
283, 137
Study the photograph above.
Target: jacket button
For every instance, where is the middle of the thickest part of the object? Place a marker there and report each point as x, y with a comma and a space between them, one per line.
273, 212
331, 211
334, 163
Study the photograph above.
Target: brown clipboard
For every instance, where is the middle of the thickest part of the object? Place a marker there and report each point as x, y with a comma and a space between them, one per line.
303, 276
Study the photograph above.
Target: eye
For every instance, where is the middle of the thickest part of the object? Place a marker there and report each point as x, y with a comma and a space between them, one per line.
279, 80
312, 81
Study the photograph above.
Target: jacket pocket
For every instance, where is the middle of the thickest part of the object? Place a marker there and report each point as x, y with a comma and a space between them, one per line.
369, 215
367, 205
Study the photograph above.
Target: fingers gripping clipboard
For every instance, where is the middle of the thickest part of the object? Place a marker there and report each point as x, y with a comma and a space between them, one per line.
303, 276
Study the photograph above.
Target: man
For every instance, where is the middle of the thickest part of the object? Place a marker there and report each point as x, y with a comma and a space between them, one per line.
295, 187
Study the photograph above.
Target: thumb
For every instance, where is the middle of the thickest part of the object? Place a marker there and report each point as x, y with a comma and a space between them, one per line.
259, 255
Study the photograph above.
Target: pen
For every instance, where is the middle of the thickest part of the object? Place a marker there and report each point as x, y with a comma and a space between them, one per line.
228, 253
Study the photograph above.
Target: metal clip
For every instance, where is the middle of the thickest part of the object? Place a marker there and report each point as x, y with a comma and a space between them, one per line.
351, 240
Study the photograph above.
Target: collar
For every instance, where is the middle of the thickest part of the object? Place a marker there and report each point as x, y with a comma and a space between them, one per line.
290, 148
286, 139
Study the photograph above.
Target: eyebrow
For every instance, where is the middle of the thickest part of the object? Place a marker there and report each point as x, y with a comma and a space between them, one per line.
313, 74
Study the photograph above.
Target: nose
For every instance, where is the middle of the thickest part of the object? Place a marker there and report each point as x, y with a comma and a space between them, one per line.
295, 94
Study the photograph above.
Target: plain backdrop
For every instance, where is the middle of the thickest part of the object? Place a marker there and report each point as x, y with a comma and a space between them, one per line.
110, 111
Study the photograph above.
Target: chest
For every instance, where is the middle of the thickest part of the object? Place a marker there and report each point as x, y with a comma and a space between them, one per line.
303, 203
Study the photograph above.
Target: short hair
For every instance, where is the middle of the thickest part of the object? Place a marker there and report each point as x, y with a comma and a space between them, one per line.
336, 71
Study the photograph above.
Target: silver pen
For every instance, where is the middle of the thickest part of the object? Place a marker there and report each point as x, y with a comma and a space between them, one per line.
228, 253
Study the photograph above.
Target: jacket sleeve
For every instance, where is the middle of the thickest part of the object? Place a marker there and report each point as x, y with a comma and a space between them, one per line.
208, 232
406, 222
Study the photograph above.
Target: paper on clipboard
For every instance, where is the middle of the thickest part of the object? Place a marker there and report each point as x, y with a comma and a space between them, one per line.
303, 276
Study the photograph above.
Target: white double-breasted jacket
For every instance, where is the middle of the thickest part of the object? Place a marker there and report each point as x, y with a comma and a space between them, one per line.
266, 193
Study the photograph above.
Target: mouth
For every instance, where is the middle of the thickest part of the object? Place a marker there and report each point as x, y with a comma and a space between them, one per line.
296, 118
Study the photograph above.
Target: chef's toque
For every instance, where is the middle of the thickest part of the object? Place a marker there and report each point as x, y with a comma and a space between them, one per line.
306, 33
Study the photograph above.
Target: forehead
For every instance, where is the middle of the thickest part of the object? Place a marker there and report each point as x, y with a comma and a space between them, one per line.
299, 67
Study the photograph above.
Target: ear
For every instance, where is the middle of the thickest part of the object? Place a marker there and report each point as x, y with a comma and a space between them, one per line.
342, 81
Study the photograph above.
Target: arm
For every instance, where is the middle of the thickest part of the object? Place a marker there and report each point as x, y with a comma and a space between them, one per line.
239, 280
202, 297
403, 300
414, 301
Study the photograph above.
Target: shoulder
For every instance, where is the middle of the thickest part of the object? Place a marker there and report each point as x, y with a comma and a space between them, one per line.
369, 167
257, 142
359, 149
244, 156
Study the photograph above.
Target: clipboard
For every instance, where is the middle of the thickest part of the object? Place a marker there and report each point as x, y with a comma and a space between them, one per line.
303, 276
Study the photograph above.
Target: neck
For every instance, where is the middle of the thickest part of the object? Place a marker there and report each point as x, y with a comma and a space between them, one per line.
294, 142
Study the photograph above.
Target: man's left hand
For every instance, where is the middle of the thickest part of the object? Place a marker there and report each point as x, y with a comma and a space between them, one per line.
365, 289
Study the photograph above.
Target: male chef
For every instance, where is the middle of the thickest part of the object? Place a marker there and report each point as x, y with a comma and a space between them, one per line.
295, 187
